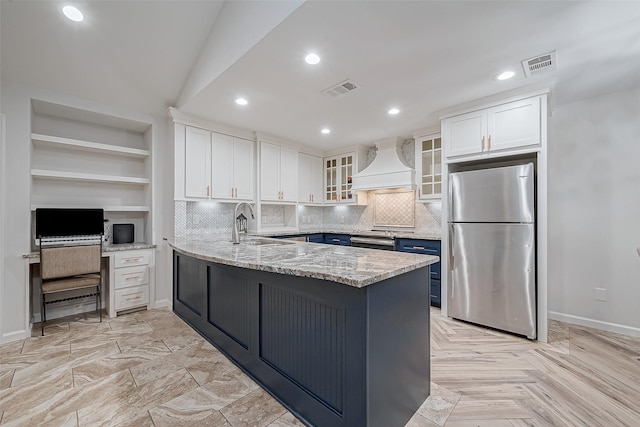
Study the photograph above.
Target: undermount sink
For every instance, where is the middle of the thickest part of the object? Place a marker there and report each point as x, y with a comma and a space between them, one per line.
264, 242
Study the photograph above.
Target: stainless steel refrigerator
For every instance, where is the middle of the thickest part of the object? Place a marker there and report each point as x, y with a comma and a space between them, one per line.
492, 246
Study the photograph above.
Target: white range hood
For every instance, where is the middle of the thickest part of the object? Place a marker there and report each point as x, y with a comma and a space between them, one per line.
386, 170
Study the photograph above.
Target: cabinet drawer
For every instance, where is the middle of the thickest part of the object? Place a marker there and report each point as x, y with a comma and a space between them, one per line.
435, 293
337, 239
132, 297
130, 259
131, 276
426, 247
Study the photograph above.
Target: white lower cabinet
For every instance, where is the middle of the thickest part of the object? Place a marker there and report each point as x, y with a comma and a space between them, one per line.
131, 277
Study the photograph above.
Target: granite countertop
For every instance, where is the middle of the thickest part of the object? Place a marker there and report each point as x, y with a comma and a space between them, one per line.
108, 248
355, 267
396, 234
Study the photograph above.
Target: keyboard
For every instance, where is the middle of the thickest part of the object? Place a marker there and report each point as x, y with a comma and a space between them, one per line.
70, 240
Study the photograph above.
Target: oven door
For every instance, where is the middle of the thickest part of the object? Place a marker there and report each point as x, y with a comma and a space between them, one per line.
373, 243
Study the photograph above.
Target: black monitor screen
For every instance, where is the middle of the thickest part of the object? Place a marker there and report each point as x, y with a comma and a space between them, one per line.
52, 222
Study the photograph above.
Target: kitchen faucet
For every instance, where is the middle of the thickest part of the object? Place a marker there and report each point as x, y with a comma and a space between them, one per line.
235, 235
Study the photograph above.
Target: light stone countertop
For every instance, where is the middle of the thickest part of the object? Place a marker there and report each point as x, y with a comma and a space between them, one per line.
357, 267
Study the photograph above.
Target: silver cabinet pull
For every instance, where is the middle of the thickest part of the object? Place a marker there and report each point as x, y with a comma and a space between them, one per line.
482, 143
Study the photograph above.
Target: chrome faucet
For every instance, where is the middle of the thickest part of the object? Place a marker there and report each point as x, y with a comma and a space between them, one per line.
235, 235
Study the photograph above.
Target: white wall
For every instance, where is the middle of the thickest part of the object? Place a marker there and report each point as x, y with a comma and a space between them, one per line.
16, 106
594, 212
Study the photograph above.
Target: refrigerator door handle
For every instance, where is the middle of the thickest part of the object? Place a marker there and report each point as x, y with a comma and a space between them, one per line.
451, 236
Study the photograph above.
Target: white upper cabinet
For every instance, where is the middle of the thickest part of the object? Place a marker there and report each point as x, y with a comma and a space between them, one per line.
231, 167
243, 169
428, 157
278, 173
197, 163
505, 127
217, 166
339, 171
309, 179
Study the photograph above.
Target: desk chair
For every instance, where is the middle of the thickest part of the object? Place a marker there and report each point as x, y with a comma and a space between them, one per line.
67, 268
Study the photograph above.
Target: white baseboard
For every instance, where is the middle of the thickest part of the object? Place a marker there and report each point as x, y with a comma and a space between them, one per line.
596, 324
163, 303
15, 336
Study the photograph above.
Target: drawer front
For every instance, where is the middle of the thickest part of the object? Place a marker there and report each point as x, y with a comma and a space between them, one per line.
135, 296
133, 258
337, 239
435, 293
426, 247
131, 276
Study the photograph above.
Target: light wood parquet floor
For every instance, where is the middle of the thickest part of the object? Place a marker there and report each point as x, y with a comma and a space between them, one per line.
150, 369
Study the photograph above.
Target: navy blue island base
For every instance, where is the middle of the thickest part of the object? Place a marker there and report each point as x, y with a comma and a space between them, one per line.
333, 354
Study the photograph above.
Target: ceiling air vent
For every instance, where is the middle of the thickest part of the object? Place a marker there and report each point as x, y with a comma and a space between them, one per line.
540, 64
341, 88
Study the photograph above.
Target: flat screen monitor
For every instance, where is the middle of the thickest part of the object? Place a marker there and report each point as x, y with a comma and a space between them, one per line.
54, 222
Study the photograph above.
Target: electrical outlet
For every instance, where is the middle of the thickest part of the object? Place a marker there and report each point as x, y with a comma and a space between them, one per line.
196, 219
601, 294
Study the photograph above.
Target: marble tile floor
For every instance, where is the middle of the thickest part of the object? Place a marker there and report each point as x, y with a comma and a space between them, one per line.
150, 369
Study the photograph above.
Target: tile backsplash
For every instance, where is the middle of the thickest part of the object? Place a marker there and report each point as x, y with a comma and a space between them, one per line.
201, 218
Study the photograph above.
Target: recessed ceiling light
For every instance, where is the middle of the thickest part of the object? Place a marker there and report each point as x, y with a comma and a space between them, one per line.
326, 131
312, 59
241, 101
72, 13
505, 75
393, 111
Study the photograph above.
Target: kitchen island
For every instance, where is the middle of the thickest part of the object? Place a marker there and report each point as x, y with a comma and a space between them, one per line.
339, 335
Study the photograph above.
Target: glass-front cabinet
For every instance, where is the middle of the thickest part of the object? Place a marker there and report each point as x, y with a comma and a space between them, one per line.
429, 166
338, 178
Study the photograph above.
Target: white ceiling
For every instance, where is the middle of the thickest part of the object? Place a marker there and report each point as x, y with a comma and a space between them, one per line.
423, 57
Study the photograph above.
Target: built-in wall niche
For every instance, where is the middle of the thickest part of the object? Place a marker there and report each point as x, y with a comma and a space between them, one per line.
275, 217
86, 159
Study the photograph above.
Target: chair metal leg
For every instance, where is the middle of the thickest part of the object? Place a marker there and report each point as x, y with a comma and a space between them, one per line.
43, 317
98, 302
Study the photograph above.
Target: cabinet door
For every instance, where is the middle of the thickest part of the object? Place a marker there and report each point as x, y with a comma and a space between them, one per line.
331, 172
289, 174
197, 163
516, 124
304, 178
221, 166
465, 134
315, 179
243, 168
346, 163
270, 171
428, 154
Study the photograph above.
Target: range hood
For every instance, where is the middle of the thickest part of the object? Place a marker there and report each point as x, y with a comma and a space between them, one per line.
387, 170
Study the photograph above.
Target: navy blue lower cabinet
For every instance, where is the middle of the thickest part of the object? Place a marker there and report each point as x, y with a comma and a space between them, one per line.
332, 354
315, 238
337, 239
427, 247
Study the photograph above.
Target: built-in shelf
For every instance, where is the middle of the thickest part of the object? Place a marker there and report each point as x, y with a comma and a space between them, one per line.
105, 208
87, 159
94, 147
88, 177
